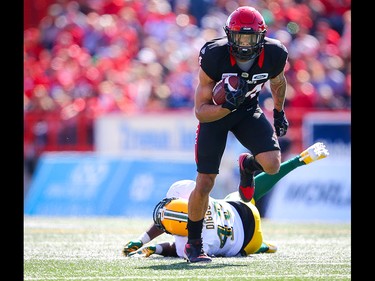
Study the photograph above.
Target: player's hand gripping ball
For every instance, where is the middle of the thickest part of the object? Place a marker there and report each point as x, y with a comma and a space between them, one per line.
218, 93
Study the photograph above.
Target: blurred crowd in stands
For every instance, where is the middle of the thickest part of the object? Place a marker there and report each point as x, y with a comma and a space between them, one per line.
95, 57
103, 56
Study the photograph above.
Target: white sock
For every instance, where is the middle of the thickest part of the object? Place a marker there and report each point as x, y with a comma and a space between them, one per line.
145, 238
159, 249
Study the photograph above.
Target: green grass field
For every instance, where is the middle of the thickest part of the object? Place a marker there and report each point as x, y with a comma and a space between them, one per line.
90, 249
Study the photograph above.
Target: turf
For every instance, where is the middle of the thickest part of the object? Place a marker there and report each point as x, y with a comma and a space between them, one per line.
90, 249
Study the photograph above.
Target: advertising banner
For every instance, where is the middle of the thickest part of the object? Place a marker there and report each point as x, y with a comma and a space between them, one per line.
87, 184
321, 190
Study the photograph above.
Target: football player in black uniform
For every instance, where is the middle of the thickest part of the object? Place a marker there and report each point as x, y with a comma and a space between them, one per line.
256, 59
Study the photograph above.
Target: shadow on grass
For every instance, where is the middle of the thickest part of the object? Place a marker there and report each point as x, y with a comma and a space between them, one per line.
216, 263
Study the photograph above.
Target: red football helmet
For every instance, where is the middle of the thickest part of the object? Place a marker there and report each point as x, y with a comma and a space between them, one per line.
245, 29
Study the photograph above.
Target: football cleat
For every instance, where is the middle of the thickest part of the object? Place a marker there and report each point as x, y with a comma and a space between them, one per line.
247, 186
131, 246
313, 153
144, 252
267, 248
193, 252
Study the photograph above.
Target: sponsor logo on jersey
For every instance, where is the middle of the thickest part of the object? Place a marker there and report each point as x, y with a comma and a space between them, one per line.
260, 76
225, 75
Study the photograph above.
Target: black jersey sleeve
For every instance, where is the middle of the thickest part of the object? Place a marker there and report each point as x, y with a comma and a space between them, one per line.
213, 56
278, 54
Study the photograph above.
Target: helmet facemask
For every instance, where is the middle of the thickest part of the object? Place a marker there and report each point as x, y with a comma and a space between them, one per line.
170, 215
245, 29
245, 45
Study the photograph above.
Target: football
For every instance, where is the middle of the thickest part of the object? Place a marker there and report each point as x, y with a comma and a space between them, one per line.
218, 92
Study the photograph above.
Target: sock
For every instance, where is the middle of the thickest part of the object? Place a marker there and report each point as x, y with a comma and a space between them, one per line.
265, 182
251, 165
194, 229
145, 238
263, 248
159, 249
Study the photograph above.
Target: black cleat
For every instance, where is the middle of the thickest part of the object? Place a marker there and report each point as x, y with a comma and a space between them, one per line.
247, 186
193, 252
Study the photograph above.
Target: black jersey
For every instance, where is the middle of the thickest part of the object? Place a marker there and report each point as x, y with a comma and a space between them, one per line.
217, 63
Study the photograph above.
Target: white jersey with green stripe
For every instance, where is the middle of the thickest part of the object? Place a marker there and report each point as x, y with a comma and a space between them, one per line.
222, 233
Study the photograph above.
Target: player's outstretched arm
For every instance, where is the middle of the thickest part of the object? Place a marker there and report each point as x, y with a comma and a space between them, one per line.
265, 182
165, 249
144, 238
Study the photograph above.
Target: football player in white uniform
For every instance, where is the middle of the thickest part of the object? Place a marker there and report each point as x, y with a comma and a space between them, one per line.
231, 226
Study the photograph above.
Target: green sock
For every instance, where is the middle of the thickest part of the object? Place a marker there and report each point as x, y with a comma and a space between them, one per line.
265, 182
264, 248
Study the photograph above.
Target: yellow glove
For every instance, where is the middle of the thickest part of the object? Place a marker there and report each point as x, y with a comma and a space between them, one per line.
131, 246
144, 251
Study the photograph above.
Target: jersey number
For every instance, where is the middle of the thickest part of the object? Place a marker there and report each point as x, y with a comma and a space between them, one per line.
224, 232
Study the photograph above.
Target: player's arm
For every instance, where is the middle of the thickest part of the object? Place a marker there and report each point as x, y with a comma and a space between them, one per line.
165, 249
144, 238
205, 110
278, 90
168, 249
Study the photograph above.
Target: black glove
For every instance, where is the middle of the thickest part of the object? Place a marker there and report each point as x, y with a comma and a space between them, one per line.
280, 122
233, 99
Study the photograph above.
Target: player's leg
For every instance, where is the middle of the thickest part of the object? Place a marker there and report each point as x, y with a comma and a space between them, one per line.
197, 206
265, 182
262, 142
208, 152
255, 242
267, 248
